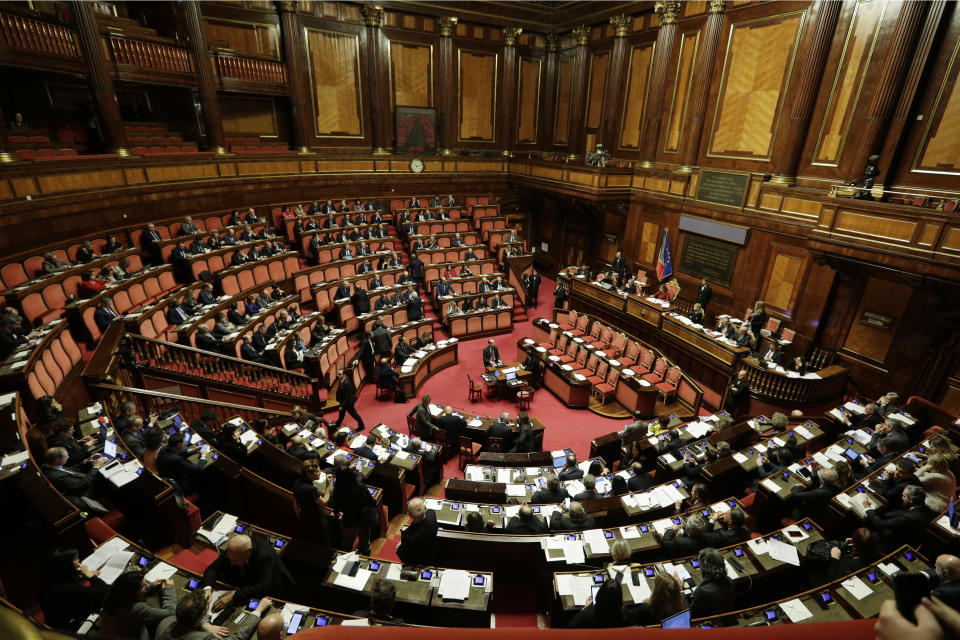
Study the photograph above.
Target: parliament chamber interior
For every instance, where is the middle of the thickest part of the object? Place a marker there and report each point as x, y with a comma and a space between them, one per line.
508, 317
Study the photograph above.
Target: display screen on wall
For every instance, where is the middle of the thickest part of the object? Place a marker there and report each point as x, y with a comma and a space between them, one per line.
710, 259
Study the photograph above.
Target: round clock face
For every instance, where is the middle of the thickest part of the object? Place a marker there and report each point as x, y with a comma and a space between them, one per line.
416, 165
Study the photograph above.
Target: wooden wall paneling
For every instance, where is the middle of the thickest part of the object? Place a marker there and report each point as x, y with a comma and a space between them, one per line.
528, 100
302, 103
883, 298
548, 103
786, 272
855, 55
680, 90
751, 97
249, 114
411, 74
561, 131
477, 81
334, 64
376, 78
579, 91
611, 240
256, 38
938, 151
631, 234
599, 62
650, 233
666, 18
635, 100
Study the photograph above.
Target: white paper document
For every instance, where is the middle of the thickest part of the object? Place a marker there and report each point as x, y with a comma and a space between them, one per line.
564, 584
630, 533
581, 589
857, 587
115, 566
783, 552
454, 584
160, 572
356, 583
572, 551
770, 484
595, 539
796, 610
516, 490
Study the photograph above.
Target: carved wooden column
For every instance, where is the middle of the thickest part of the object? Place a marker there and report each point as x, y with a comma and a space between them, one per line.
668, 10
547, 105
616, 80
902, 44
5, 155
104, 97
295, 52
700, 87
377, 82
447, 89
209, 102
578, 93
508, 87
789, 143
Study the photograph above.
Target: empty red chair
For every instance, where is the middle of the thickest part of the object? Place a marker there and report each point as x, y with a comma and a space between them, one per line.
659, 371
66, 153
599, 374
668, 388
25, 154
46, 153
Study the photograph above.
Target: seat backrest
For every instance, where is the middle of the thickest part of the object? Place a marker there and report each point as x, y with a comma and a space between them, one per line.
602, 369
592, 360
673, 376
612, 377
595, 330
788, 334
582, 322
660, 367
772, 325
633, 350
13, 274
582, 357
647, 358
571, 348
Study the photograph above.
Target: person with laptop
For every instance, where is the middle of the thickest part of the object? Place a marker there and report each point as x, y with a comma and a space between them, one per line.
79, 488
491, 355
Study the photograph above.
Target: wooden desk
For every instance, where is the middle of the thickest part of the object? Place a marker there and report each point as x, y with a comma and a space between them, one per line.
438, 357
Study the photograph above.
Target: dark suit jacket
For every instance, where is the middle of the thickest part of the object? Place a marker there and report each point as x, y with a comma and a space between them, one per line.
949, 592
259, 341
727, 537
346, 392
360, 301
174, 465
678, 546
71, 483
545, 496
572, 473
381, 341
899, 526
366, 452
263, 575
102, 317
418, 542
454, 425
704, 294
640, 482
207, 341
248, 352
566, 523
490, 356
134, 443
536, 525
715, 596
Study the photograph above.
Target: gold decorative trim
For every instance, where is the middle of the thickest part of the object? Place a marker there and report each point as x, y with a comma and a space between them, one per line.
582, 34
372, 15
447, 25
6, 156
553, 41
510, 35
715, 6
668, 10
621, 25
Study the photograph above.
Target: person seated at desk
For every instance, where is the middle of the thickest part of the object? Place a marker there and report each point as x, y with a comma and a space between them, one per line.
813, 501
589, 489
89, 284
868, 464
70, 591
553, 494
938, 481
253, 567
574, 518
532, 364
223, 327
382, 601
342, 292
500, 429
693, 538
61, 435
362, 249
444, 288
74, 485
696, 316
387, 377
52, 264
894, 482
126, 615
631, 287
897, 527
402, 351
799, 365
418, 542
491, 354
365, 450
726, 328
294, 356
454, 425
103, 317
465, 271
470, 255
249, 352
944, 580
715, 593
481, 305
773, 354
857, 552
641, 480
261, 338
604, 278
496, 302
132, 436
172, 463
570, 470
456, 241
669, 442
526, 521
663, 293
452, 309
345, 253
728, 529
188, 621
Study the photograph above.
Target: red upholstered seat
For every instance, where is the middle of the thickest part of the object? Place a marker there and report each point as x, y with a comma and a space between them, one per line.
600, 374
646, 362
570, 322
659, 371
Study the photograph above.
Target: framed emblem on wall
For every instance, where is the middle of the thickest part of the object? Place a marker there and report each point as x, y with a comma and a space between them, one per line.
416, 130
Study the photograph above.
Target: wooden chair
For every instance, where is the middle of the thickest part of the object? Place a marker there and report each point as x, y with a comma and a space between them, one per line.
494, 445
668, 388
604, 390
440, 439
474, 390
469, 451
524, 396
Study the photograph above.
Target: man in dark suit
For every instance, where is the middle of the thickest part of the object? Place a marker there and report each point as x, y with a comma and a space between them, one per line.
526, 522
576, 519
640, 480
414, 203
867, 420
342, 292
204, 425
414, 308
423, 424
248, 352
500, 429
388, 378
104, 314
444, 288
150, 241
453, 425
206, 340
534, 292
570, 470
619, 265
896, 527
254, 567
172, 462
366, 449
491, 355
298, 449
261, 339
360, 300
293, 357
693, 538
366, 350
346, 253
553, 494
418, 542
896, 481
737, 392
945, 580
72, 484
176, 315
347, 397
132, 436
729, 529
774, 354
589, 489
812, 501
704, 293
382, 343
206, 295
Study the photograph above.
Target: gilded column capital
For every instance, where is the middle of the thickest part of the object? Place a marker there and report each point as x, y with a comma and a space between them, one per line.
447, 23
582, 33
553, 42
668, 10
715, 6
622, 24
372, 15
510, 35
290, 6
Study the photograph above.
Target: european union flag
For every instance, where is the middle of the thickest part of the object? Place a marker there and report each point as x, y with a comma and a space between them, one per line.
664, 265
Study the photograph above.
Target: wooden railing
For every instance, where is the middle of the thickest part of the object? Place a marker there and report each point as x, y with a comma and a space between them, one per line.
250, 69
149, 55
26, 33
773, 386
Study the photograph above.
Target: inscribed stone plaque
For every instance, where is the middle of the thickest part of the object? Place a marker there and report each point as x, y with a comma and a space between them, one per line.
722, 188
710, 259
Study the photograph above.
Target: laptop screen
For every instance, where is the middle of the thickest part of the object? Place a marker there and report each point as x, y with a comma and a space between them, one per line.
177, 421
853, 455
110, 449
678, 621
559, 462
511, 376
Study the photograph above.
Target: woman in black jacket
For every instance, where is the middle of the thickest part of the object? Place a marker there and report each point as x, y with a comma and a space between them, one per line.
715, 592
607, 611
310, 504
70, 591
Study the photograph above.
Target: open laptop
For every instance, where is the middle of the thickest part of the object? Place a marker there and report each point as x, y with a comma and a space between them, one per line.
110, 449
678, 621
511, 376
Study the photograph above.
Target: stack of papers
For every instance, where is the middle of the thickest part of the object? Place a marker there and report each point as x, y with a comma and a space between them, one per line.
857, 587
474, 473
783, 552
114, 566
355, 583
573, 552
122, 474
102, 553
796, 610
454, 585
596, 541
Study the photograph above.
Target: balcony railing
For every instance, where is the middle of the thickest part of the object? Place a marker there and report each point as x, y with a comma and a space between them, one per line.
150, 55
251, 69
26, 33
